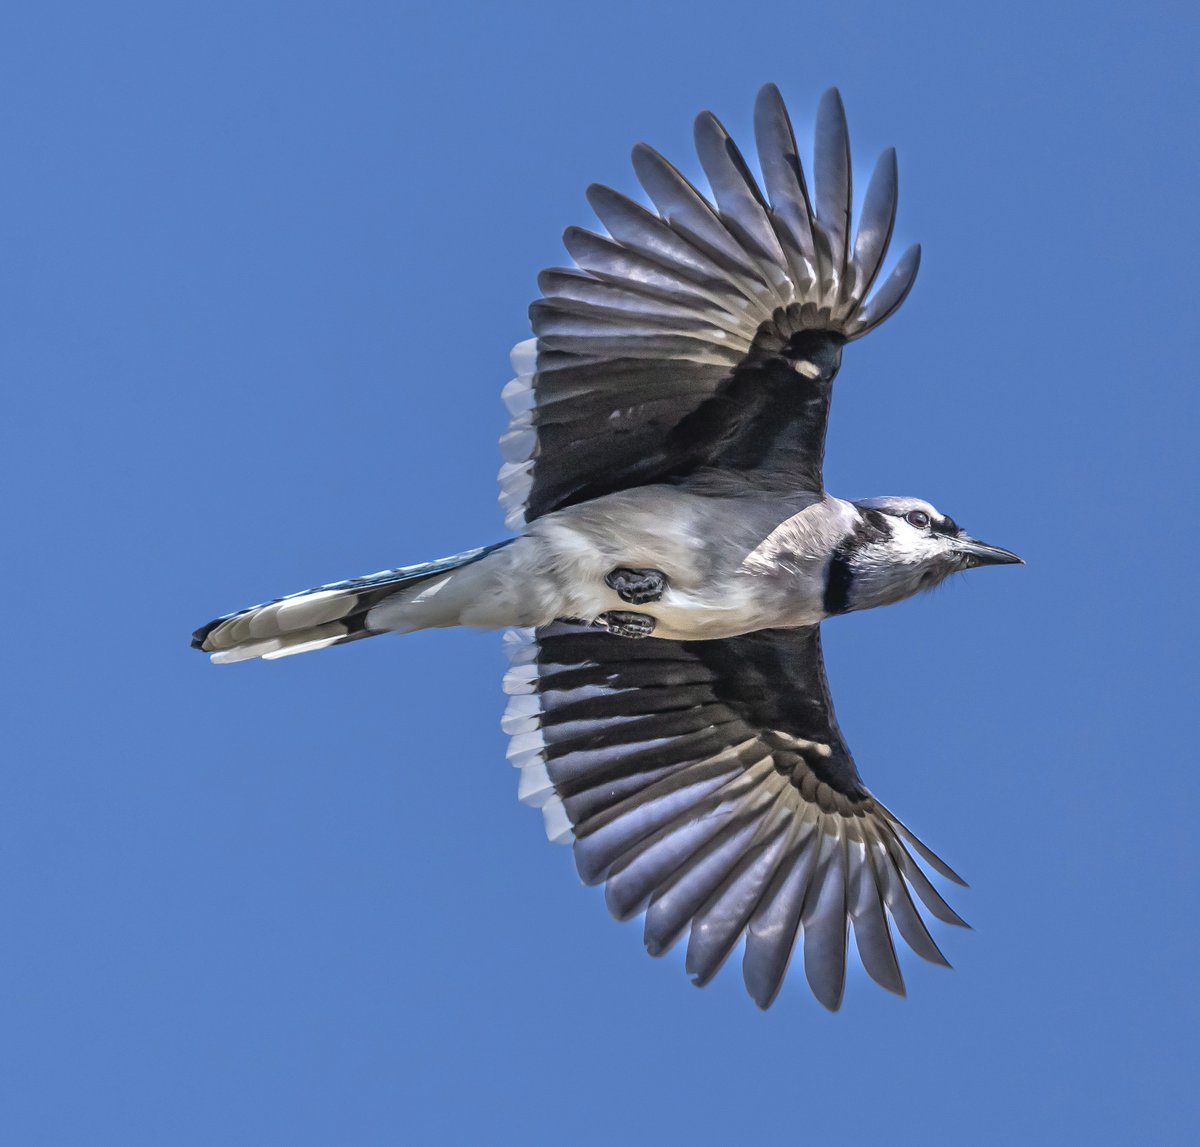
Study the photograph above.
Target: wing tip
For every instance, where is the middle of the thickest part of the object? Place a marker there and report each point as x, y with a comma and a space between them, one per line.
827, 985
831, 103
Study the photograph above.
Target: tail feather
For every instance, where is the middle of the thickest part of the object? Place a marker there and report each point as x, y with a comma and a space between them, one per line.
327, 615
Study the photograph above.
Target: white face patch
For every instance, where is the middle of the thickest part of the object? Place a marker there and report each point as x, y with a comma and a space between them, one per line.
910, 560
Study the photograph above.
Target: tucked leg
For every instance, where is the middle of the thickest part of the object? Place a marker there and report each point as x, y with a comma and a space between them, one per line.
637, 586
624, 624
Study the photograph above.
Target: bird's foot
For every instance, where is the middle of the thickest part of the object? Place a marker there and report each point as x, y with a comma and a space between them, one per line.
637, 586
625, 624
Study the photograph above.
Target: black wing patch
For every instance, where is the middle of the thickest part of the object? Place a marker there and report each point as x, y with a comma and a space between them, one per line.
706, 784
701, 333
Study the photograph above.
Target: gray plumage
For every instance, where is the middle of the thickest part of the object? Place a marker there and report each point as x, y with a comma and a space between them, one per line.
663, 465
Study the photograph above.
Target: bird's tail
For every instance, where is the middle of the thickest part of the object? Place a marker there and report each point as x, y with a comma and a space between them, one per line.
394, 600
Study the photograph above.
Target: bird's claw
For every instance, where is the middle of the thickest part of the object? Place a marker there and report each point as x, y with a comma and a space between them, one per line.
624, 624
637, 586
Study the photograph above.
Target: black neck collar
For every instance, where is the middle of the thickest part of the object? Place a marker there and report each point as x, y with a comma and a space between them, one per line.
871, 527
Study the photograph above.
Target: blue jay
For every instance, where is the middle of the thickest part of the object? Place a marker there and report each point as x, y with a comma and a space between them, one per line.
677, 553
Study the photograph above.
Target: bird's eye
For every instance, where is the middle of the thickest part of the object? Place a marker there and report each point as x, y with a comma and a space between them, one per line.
917, 518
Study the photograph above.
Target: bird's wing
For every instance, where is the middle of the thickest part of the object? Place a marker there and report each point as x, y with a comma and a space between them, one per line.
706, 784
701, 333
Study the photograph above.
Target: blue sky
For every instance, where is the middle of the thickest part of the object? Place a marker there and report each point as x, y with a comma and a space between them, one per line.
261, 266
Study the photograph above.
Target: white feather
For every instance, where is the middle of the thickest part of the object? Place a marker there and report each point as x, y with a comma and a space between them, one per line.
558, 824
302, 647
245, 652
535, 786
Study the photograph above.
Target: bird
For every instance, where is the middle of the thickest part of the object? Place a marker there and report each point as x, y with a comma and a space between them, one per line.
675, 556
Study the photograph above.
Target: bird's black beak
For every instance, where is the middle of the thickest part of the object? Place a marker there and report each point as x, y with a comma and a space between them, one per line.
981, 554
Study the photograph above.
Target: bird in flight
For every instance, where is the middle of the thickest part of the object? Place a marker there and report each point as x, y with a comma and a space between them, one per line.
677, 553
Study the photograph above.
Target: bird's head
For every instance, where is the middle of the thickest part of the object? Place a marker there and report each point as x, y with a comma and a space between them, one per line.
899, 547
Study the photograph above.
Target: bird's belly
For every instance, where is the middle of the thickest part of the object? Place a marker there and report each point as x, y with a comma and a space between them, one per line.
712, 591
684, 616
733, 609
726, 610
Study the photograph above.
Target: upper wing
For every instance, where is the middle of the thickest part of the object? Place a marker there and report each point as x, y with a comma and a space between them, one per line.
706, 783
704, 333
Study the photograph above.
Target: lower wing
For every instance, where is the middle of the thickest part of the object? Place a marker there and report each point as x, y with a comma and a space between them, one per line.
706, 784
